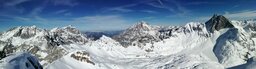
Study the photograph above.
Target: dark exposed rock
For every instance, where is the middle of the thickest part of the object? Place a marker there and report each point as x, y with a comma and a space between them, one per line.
68, 35
250, 26
7, 49
34, 63
172, 31
82, 56
218, 22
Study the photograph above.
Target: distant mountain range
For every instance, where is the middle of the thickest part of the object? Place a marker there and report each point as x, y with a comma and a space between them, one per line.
216, 44
97, 35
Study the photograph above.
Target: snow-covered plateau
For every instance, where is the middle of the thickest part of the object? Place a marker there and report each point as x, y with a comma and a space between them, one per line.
216, 44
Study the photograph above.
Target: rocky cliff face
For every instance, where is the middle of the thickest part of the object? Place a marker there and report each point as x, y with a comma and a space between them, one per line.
82, 56
45, 44
137, 35
141, 33
218, 22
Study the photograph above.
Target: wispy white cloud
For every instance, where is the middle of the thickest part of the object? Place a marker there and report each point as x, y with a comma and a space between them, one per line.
11, 7
171, 5
39, 8
64, 12
147, 18
36, 11
22, 19
126, 8
68, 14
241, 15
235, 6
123, 8
85, 23
156, 4
149, 11
14, 2
70, 3
61, 11
98, 18
160, 2
201, 2
202, 18
102, 22
180, 9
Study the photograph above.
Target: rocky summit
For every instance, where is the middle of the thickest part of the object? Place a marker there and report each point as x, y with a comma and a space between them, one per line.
218, 22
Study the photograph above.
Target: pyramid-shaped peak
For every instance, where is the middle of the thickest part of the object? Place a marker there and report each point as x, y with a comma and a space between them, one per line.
141, 25
142, 22
218, 22
214, 15
103, 37
106, 39
69, 27
218, 16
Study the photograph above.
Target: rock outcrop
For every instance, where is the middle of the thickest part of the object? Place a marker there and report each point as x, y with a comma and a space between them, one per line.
218, 22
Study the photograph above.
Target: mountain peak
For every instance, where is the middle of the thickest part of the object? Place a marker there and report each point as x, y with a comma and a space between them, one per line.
69, 26
218, 22
23, 31
215, 15
106, 39
142, 25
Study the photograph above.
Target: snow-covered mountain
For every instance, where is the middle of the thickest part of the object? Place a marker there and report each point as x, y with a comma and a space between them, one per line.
138, 35
45, 44
217, 44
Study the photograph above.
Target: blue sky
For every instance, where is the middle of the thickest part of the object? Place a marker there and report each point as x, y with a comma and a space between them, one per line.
105, 15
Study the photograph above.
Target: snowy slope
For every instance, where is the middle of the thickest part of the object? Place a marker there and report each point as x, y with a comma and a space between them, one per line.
249, 65
235, 46
191, 46
111, 54
20, 61
108, 53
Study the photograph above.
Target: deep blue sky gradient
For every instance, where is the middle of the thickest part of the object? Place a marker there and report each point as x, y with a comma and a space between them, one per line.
104, 15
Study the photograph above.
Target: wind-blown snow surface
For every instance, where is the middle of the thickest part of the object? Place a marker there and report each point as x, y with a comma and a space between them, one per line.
20, 61
187, 50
